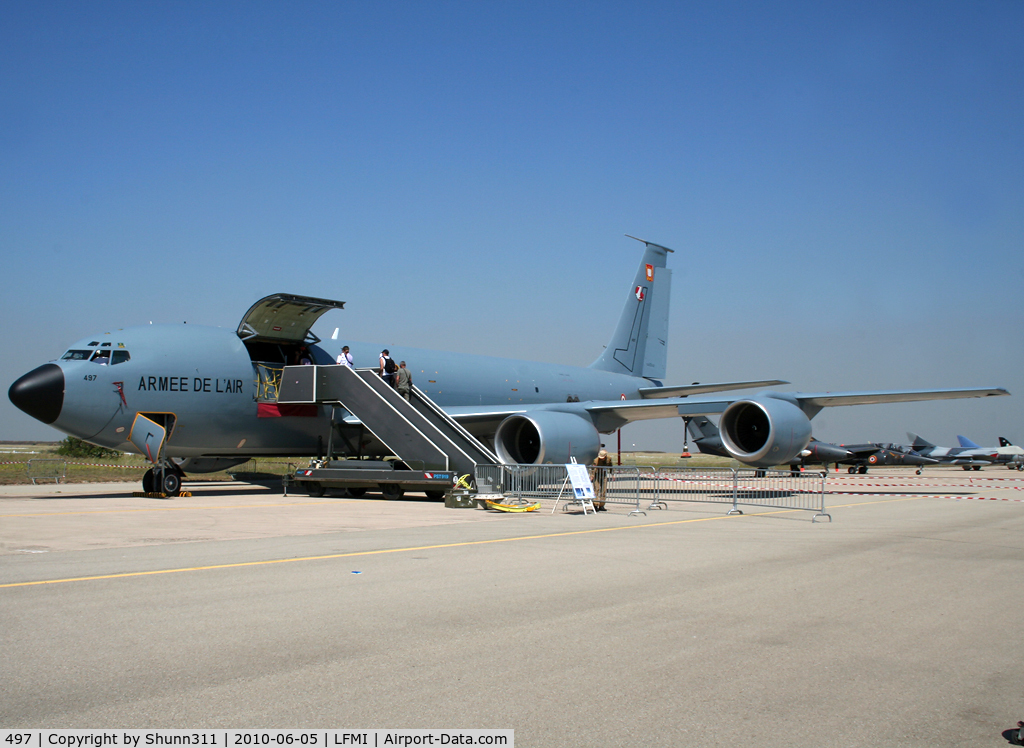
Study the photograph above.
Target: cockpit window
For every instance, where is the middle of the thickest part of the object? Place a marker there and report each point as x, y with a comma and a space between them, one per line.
120, 356
101, 357
75, 355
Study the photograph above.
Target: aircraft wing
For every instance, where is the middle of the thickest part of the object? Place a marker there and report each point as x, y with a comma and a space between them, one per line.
824, 399
812, 403
609, 415
699, 389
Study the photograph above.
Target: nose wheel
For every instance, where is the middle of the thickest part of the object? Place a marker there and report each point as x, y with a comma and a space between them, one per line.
171, 483
162, 480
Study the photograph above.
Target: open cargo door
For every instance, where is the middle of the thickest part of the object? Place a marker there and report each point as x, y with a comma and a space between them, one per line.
284, 318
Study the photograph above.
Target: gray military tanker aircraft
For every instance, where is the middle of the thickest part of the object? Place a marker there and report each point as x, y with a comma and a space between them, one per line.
200, 399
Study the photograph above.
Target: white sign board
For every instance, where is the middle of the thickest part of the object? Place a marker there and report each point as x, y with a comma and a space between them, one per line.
582, 488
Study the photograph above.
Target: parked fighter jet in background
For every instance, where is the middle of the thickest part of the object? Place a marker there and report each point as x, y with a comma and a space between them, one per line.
201, 399
1005, 454
967, 457
1018, 456
880, 455
859, 457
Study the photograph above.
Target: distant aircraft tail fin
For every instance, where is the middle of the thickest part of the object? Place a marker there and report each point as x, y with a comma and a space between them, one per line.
967, 443
917, 442
1004, 442
639, 345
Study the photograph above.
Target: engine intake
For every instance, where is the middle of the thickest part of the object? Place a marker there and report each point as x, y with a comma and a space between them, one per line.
546, 437
764, 431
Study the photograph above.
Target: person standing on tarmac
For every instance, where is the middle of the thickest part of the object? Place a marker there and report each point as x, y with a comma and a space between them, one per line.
403, 381
599, 478
387, 367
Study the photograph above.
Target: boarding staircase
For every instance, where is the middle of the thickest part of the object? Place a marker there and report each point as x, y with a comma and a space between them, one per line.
417, 431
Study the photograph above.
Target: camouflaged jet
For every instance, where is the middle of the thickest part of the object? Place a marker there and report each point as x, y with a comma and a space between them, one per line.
1009, 454
973, 456
967, 457
199, 399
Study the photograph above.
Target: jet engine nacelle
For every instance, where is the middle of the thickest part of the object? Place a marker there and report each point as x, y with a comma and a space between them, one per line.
546, 437
764, 431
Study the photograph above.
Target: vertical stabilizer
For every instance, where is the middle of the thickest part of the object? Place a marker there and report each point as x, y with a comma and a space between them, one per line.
916, 442
639, 345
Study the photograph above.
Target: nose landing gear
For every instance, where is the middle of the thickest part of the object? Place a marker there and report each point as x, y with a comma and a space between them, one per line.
163, 480
149, 434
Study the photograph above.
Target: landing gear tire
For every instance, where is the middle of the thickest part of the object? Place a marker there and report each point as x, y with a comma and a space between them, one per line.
966, 467
851, 470
919, 471
863, 470
314, 489
392, 491
977, 467
149, 481
434, 495
171, 483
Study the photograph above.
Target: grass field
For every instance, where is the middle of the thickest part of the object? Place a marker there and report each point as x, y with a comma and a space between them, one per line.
15, 457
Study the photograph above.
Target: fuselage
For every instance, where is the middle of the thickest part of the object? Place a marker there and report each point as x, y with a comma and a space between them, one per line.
212, 384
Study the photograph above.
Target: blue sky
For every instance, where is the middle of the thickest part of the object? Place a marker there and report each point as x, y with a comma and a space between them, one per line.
842, 183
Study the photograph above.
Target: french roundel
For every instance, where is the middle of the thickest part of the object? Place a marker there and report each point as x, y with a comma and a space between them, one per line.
873, 459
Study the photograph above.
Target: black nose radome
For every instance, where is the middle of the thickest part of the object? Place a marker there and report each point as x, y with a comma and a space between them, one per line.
40, 393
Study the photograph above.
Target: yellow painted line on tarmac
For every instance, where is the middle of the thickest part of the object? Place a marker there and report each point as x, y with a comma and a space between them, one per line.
354, 554
372, 553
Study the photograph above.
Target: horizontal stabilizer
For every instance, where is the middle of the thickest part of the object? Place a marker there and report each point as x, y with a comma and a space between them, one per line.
650, 393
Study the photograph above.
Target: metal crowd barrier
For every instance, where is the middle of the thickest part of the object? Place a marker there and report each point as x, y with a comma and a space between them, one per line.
526, 484
55, 470
523, 484
777, 489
